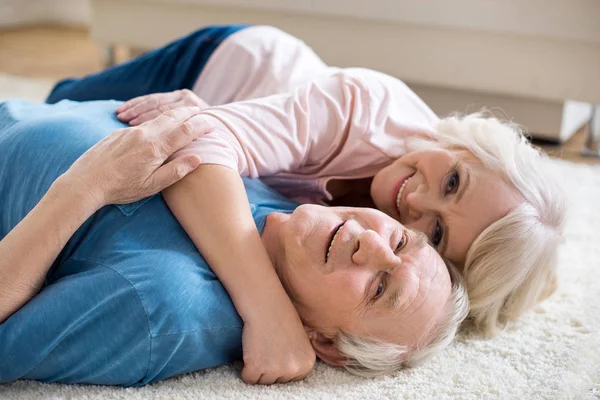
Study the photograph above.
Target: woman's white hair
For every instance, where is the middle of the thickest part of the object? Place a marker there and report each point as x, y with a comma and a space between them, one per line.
511, 265
369, 357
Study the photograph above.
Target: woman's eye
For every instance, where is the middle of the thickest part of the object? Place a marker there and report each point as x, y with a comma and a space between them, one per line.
437, 235
452, 183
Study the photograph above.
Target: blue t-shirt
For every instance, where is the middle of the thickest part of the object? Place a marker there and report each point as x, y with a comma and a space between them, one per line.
129, 300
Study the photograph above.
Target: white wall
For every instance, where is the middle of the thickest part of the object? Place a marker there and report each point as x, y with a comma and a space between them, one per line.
16, 12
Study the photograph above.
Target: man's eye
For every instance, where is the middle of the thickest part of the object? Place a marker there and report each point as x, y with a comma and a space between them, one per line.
452, 183
437, 234
401, 243
379, 290
380, 287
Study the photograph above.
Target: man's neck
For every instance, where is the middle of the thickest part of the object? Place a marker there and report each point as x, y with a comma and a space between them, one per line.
271, 237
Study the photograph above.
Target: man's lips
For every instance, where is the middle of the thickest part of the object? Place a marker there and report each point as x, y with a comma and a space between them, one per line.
333, 236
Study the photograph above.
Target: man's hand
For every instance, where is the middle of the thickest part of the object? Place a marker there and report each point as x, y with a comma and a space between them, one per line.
145, 108
276, 347
129, 164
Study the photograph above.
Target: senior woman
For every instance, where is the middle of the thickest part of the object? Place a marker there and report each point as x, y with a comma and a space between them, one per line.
473, 185
126, 299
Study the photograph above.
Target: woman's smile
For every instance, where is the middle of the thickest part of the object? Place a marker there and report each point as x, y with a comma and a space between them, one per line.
400, 191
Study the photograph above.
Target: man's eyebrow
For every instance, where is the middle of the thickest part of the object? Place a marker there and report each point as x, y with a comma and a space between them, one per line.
419, 239
393, 300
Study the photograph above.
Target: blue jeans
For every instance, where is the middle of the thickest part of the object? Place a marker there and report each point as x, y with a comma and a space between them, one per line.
172, 67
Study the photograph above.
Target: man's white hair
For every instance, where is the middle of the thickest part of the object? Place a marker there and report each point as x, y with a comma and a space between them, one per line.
511, 265
369, 357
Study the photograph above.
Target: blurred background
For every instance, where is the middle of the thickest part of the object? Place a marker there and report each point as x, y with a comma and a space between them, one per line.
536, 62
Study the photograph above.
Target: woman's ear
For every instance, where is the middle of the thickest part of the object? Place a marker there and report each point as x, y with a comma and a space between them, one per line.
325, 348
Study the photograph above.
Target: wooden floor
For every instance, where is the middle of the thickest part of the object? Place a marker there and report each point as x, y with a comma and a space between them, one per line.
57, 52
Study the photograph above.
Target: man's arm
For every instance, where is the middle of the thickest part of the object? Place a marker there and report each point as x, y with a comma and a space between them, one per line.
212, 206
123, 167
32, 246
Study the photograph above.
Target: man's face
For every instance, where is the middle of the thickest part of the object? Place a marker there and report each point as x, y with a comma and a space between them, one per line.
360, 271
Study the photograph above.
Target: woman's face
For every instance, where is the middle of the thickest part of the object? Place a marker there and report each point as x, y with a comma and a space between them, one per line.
447, 194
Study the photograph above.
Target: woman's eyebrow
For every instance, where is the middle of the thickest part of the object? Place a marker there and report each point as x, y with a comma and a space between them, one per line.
464, 184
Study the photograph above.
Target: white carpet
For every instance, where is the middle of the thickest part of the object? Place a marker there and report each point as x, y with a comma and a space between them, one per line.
554, 353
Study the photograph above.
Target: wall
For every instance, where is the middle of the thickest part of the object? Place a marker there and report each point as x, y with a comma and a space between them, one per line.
17, 12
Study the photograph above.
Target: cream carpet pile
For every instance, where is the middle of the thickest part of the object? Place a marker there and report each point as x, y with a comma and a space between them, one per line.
553, 353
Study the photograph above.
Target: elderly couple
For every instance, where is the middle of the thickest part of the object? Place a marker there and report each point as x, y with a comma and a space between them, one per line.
105, 280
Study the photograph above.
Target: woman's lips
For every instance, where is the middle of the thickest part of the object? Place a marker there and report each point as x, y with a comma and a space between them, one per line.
399, 191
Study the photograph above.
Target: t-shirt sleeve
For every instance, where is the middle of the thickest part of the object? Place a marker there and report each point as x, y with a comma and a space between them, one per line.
286, 132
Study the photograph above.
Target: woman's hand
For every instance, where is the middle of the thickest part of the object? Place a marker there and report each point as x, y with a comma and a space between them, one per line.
276, 347
128, 165
145, 108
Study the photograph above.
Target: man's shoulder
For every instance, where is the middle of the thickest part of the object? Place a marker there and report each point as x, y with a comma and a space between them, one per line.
264, 200
18, 113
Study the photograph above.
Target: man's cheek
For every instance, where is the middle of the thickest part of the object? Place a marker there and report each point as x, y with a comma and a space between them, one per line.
351, 285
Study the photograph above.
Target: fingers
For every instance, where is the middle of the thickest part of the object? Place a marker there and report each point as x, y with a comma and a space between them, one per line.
134, 110
171, 131
172, 172
253, 376
153, 113
250, 376
184, 133
169, 120
143, 104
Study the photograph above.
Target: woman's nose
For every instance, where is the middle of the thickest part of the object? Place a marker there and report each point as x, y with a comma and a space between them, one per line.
419, 203
373, 251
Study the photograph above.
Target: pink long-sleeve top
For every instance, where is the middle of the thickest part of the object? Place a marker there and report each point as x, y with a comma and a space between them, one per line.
342, 124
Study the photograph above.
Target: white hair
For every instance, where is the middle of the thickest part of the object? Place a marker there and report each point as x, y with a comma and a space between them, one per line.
511, 265
370, 357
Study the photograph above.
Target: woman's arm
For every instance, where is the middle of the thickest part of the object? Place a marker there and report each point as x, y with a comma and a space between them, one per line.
123, 167
255, 138
259, 138
212, 206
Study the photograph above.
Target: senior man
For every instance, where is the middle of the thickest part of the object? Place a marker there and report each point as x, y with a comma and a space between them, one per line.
129, 300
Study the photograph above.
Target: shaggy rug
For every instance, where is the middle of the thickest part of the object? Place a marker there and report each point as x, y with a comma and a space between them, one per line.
553, 353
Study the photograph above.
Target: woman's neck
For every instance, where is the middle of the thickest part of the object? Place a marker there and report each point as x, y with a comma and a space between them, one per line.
350, 192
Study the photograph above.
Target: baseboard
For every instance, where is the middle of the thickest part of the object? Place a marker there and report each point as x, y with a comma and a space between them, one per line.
545, 120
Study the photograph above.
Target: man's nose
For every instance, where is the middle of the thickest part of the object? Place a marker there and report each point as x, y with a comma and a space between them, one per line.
373, 251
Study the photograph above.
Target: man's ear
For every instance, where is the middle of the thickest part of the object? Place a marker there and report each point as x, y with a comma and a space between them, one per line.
325, 348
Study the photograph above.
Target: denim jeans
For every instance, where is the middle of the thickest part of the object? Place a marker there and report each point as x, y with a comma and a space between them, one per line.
174, 66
